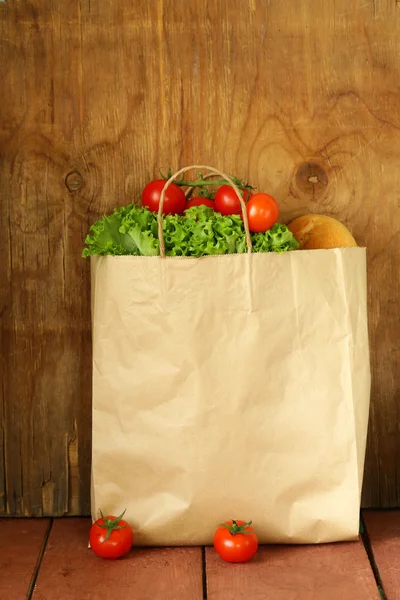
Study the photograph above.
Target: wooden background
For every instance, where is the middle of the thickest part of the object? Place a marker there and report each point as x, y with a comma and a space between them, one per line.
300, 97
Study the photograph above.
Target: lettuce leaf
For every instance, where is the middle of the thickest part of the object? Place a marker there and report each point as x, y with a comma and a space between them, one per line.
140, 225
198, 232
277, 239
105, 237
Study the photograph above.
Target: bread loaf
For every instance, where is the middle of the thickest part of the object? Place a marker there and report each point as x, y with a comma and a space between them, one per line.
320, 231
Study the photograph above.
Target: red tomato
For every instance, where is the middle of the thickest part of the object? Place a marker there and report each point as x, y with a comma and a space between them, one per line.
235, 541
262, 212
226, 201
174, 201
111, 537
199, 201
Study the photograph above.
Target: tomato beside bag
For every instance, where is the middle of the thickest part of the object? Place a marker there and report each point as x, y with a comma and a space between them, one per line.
235, 541
111, 537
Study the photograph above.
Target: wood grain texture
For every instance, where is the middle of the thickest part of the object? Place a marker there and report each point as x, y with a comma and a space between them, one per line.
76, 572
383, 529
324, 572
21, 542
299, 98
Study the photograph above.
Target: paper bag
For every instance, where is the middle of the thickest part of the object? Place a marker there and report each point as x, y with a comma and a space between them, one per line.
232, 386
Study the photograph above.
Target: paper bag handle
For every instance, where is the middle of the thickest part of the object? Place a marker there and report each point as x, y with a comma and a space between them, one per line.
216, 172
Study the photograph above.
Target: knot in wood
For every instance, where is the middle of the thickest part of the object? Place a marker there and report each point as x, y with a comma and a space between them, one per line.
74, 181
311, 178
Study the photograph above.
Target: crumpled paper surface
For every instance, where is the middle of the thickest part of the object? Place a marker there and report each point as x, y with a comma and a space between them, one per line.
232, 386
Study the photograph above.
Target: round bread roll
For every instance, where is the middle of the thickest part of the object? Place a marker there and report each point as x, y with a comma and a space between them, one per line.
319, 231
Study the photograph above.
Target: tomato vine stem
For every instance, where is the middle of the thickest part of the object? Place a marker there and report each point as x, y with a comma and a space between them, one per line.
202, 181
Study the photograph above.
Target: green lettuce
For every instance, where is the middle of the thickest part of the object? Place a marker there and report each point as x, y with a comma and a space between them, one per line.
277, 239
200, 231
105, 237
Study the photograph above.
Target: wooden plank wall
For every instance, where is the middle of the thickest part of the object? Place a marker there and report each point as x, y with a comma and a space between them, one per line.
301, 98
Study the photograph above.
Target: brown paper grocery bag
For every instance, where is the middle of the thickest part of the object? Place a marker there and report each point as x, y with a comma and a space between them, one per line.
232, 386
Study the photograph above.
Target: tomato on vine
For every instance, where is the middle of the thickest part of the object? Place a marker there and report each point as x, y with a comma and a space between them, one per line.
262, 212
199, 201
174, 200
227, 202
111, 537
235, 541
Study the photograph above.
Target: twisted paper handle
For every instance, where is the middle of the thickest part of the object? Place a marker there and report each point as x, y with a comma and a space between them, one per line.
224, 176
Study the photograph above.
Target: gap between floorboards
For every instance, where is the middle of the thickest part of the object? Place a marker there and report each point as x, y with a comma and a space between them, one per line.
39, 561
370, 553
204, 571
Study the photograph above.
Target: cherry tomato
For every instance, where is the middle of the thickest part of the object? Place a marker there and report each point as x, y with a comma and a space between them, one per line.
199, 201
174, 201
235, 541
111, 537
262, 212
226, 200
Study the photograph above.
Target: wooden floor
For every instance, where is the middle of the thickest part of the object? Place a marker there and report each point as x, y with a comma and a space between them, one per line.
46, 559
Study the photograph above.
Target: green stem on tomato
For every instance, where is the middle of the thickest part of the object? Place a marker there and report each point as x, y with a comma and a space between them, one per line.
111, 524
235, 529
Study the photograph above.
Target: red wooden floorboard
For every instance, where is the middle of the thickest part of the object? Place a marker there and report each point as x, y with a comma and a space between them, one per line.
21, 541
324, 572
71, 571
383, 530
